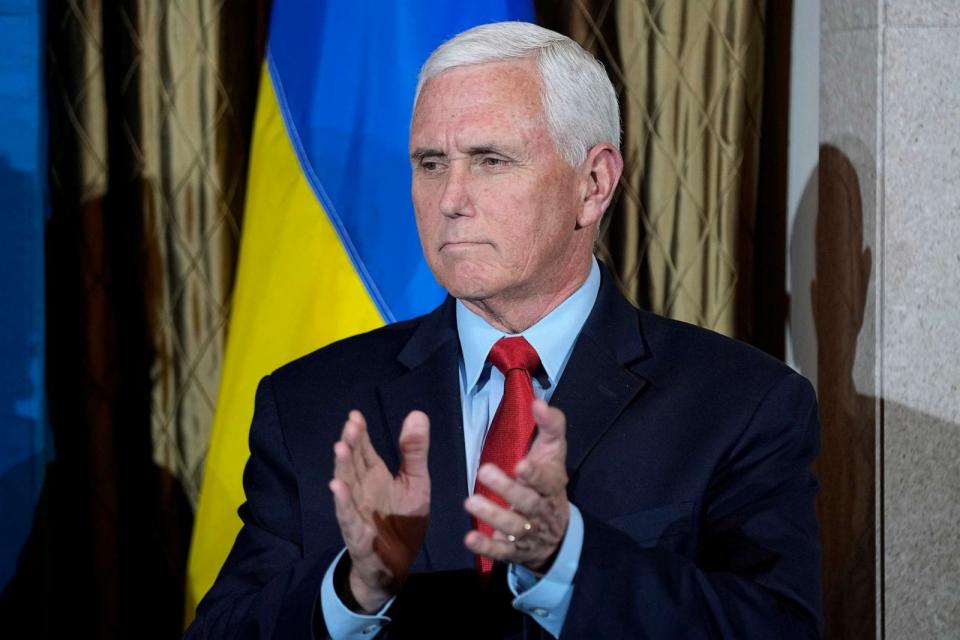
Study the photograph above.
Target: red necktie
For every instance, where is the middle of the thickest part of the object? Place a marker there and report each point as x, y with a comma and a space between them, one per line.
511, 431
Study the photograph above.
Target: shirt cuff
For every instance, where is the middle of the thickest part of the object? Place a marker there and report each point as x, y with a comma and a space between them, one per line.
341, 622
547, 599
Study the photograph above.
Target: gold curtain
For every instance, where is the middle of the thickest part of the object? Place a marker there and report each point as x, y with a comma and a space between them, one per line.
177, 151
150, 110
689, 74
190, 152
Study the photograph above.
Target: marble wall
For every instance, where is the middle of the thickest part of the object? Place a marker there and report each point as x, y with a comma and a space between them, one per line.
921, 317
890, 154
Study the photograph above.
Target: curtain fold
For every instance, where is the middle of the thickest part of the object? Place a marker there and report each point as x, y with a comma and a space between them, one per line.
690, 80
188, 138
151, 108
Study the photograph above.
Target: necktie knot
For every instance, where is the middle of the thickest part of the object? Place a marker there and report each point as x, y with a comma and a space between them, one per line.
508, 354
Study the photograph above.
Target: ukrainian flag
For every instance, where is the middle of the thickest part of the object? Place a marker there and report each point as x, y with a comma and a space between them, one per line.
329, 247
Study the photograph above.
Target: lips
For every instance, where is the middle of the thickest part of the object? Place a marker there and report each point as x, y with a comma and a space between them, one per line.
462, 244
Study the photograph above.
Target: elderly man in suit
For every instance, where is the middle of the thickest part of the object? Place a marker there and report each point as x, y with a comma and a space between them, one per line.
534, 458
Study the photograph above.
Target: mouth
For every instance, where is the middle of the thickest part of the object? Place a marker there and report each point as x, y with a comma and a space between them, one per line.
461, 245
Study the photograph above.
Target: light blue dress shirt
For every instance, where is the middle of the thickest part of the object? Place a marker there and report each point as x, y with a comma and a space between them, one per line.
545, 599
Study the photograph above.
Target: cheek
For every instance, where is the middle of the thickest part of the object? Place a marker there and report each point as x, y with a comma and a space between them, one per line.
424, 193
425, 214
544, 217
511, 216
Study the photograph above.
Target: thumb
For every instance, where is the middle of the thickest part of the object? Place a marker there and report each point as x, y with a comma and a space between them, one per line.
544, 467
551, 423
414, 444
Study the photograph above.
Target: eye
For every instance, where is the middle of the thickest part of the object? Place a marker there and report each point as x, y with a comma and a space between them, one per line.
430, 165
492, 161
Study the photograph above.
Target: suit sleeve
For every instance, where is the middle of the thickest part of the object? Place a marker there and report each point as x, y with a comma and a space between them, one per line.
755, 573
267, 587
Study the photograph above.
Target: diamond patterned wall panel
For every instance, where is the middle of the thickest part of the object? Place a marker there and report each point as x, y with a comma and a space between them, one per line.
691, 87
183, 111
151, 109
168, 113
689, 77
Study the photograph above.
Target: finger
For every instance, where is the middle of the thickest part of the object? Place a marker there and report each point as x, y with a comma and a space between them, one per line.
500, 518
546, 477
345, 470
343, 464
355, 435
415, 445
524, 499
347, 515
544, 466
369, 454
497, 549
352, 527
551, 423
343, 450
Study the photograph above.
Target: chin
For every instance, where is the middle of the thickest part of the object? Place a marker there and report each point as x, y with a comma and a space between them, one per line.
465, 281
466, 290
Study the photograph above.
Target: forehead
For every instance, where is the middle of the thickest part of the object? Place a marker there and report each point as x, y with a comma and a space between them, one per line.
493, 94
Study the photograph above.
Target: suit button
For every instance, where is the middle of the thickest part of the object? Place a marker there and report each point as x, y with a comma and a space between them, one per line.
370, 628
540, 613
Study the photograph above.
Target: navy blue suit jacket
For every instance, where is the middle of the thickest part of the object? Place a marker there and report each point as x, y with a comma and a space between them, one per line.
688, 456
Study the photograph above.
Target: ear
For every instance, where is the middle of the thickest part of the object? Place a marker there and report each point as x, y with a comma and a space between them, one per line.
599, 175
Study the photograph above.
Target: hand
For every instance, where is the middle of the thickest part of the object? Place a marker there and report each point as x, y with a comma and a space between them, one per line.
383, 519
540, 513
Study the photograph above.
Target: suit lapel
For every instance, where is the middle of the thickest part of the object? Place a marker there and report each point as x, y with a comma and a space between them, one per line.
431, 385
597, 383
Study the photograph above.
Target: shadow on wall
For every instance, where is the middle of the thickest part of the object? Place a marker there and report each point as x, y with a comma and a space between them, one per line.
829, 229
846, 468
919, 503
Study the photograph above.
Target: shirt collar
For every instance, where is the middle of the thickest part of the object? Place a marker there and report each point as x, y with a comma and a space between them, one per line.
552, 336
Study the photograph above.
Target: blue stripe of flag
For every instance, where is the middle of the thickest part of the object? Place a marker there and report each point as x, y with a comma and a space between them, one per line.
345, 75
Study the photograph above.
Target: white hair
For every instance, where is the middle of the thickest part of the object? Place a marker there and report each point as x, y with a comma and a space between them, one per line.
579, 102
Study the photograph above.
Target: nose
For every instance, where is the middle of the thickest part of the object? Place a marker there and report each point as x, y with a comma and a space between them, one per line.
455, 200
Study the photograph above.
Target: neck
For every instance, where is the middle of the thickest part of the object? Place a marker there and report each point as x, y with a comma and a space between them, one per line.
518, 313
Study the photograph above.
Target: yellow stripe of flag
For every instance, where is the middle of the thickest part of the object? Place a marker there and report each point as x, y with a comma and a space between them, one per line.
296, 290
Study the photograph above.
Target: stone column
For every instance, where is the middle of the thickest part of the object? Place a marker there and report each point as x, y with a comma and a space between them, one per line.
888, 260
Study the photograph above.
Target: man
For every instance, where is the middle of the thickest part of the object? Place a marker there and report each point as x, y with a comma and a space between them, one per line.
666, 492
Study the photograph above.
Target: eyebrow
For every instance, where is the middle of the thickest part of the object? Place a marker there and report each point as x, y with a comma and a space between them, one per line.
483, 149
421, 153
476, 150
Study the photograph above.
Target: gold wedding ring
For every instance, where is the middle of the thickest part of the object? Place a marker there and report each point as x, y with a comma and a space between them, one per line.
527, 527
